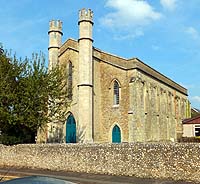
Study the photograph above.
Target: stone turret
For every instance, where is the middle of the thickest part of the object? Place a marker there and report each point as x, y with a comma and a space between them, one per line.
85, 86
55, 41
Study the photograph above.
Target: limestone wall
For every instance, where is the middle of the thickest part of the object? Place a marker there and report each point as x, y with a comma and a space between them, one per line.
152, 160
157, 110
111, 114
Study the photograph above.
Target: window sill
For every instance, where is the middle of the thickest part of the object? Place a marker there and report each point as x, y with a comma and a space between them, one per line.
116, 106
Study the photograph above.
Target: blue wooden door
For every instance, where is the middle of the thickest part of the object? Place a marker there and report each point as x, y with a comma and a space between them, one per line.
116, 134
70, 130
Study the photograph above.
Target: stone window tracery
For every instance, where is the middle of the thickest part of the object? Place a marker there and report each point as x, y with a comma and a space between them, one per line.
116, 93
70, 80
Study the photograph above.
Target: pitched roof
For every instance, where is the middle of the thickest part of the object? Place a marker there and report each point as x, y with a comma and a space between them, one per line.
195, 110
194, 120
125, 64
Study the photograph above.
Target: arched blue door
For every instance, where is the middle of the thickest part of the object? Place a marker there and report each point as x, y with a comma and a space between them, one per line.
116, 134
70, 130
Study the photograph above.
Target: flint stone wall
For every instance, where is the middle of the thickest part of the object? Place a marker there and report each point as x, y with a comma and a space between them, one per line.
149, 160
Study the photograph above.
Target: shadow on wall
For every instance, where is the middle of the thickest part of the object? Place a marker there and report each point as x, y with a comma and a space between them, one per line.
56, 135
81, 134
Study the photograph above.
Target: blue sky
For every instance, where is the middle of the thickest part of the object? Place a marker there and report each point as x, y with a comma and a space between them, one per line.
164, 34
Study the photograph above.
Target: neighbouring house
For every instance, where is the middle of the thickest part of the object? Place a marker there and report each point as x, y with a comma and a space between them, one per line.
113, 99
191, 127
195, 112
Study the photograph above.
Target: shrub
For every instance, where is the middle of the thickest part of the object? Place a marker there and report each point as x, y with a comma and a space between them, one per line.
189, 139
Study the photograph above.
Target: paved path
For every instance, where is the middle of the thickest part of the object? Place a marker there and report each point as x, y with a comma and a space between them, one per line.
83, 178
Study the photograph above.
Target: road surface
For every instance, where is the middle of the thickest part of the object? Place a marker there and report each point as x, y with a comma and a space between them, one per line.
83, 178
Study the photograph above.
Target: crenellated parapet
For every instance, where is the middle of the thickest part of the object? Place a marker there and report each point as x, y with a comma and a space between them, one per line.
85, 15
55, 26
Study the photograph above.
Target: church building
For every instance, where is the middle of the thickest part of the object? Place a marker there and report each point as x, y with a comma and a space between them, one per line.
113, 99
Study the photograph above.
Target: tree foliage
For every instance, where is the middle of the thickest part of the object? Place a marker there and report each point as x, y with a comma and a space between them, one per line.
30, 97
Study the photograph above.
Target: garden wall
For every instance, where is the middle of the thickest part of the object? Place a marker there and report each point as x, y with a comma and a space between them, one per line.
178, 161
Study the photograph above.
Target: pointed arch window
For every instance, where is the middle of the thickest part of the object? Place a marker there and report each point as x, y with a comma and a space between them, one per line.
70, 80
116, 93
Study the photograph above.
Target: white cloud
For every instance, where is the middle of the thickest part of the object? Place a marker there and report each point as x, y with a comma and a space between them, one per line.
195, 98
192, 32
129, 13
135, 34
187, 86
155, 47
195, 101
168, 4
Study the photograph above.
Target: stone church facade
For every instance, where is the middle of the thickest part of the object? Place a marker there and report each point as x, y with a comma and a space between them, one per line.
114, 99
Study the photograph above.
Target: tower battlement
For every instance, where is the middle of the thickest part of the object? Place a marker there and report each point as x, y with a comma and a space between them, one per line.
85, 15
55, 25
55, 41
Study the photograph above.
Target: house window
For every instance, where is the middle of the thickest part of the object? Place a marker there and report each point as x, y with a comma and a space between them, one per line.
116, 93
197, 130
70, 80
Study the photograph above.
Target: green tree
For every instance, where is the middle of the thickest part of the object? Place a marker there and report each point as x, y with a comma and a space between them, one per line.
8, 77
30, 97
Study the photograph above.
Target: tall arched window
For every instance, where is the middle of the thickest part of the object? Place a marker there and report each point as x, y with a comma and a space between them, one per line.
70, 80
116, 93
